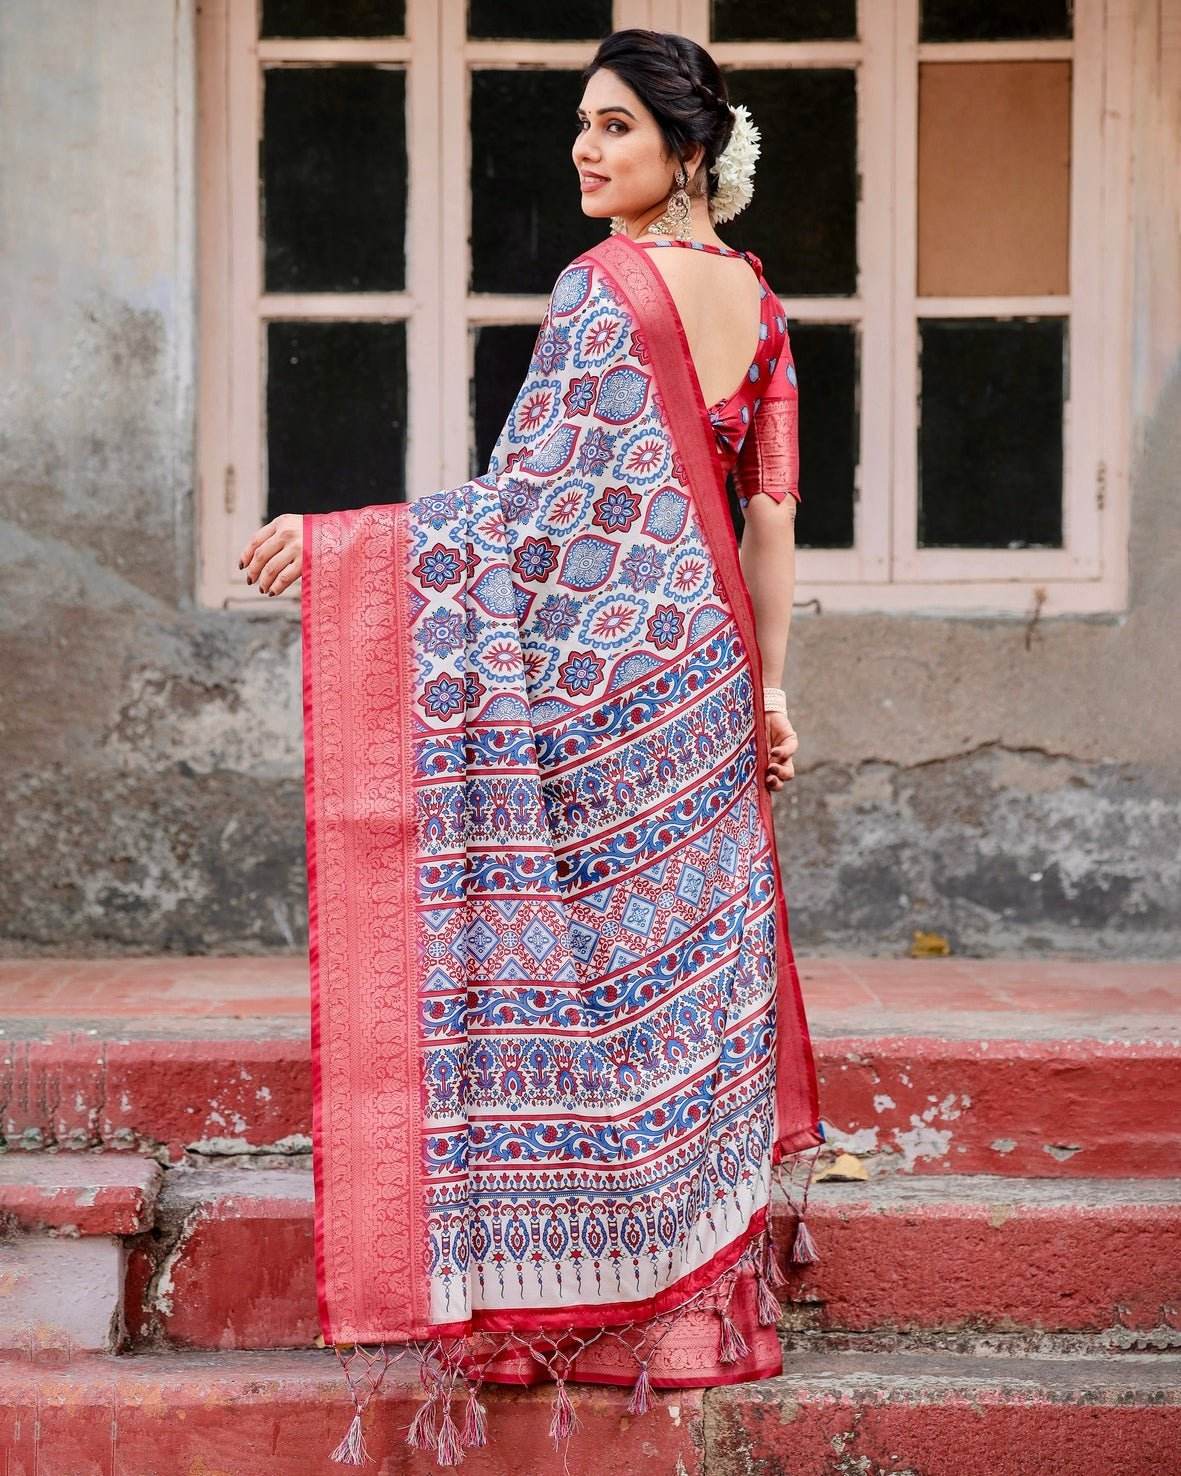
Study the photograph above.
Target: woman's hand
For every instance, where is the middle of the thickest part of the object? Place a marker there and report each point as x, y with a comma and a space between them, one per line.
781, 744
273, 559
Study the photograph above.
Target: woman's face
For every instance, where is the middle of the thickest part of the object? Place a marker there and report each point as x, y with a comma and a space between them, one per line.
619, 151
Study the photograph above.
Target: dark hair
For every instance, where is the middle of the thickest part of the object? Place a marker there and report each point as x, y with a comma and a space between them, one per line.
679, 83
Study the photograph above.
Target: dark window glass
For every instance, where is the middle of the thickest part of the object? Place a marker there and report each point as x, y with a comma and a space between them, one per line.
336, 415
802, 218
539, 20
990, 432
783, 20
826, 358
527, 220
333, 163
995, 20
306, 18
502, 356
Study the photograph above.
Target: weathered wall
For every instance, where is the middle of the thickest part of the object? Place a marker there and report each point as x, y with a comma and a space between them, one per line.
1017, 794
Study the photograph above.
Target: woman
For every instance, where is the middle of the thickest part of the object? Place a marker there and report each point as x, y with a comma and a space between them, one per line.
558, 1041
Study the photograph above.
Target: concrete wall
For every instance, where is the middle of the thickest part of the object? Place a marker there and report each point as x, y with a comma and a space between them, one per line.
1017, 791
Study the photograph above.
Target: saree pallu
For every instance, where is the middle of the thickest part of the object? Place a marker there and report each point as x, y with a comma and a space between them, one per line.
559, 1046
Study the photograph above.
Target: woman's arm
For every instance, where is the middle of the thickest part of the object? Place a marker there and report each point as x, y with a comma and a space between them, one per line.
768, 484
767, 555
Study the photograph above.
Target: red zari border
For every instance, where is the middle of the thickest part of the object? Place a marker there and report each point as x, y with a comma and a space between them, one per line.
642, 285
359, 800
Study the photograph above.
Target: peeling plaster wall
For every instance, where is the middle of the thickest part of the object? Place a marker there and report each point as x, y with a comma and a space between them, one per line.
1015, 794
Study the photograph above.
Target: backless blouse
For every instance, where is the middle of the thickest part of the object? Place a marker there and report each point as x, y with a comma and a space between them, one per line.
756, 426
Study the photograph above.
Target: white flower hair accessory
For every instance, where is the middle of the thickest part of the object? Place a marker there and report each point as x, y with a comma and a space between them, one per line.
735, 168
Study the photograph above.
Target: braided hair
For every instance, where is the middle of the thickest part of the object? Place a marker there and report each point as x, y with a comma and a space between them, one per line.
679, 83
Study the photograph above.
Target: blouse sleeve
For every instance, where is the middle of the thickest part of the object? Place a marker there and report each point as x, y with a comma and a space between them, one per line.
769, 460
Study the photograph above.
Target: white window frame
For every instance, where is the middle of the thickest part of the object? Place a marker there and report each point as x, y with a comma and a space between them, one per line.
234, 310
884, 570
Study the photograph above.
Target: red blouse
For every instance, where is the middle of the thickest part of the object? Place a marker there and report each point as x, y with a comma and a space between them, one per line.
756, 426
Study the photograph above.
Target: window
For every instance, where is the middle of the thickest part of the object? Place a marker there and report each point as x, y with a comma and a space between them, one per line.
938, 205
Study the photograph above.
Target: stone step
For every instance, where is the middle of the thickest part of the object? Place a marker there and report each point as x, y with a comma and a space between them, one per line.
833, 1414
232, 1262
848, 1414
1053, 1068
244, 1414
62, 1257
91, 1193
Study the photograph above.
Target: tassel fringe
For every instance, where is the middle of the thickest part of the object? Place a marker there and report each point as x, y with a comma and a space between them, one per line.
564, 1421
641, 1398
769, 1309
803, 1247
475, 1423
422, 1434
351, 1450
773, 1273
732, 1347
447, 1447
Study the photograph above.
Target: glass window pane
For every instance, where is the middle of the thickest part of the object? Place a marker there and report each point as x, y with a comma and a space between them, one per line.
333, 162
539, 20
783, 20
994, 178
336, 415
802, 219
502, 356
307, 18
827, 359
995, 20
527, 220
990, 433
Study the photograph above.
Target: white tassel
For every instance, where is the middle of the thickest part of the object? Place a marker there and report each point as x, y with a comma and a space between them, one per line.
733, 1345
351, 1450
803, 1249
447, 1447
641, 1398
422, 1434
564, 1419
475, 1423
769, 1309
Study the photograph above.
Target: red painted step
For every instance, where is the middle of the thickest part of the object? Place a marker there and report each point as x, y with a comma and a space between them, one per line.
240, 1414
245, 1414
1043, 1255
79, 1193
232, 1264
947, 1415
235, 1267
1036, 1069
63, 1216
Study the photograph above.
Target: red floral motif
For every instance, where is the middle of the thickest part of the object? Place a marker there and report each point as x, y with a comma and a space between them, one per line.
616, 509
581, 672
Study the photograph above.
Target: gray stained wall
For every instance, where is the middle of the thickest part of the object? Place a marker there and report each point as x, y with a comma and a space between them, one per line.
1014, 787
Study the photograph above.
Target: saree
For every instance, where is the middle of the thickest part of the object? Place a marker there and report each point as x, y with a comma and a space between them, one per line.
558, 1041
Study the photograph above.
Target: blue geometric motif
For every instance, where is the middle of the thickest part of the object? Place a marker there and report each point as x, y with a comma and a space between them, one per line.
570, 291
553, 453
588, 562
622, 395
667, 515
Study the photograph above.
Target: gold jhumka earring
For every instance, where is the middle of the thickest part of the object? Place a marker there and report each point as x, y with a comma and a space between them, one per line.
677, 213
676, 218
